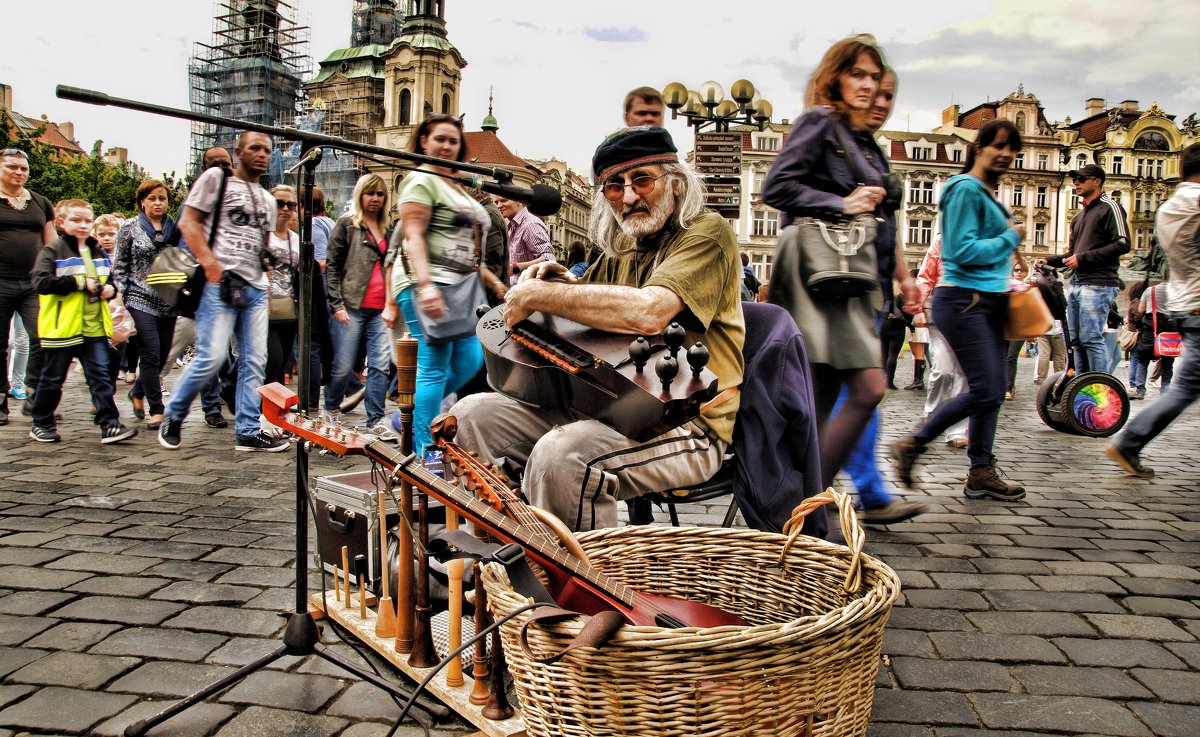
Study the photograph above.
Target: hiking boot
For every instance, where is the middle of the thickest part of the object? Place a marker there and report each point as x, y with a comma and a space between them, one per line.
260, 442
985, 481
170, 433
44, 434
894, 511
215, 419
1130, 462
905, 452
116, 433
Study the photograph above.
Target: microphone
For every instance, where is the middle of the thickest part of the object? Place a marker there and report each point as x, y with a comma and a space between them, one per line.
313, 154
542, 200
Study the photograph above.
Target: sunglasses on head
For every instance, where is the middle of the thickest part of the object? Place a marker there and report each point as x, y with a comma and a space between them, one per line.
284, 205
14, 152
643, 184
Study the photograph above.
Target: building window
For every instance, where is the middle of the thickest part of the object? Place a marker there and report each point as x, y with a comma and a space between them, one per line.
920, 232
733, 223
760, 263
759, 178
1039, 234
1021, 123
766, 222
405, 107
1020, 162
446, 104
920, 193
1043, 161
1142, 167
1158, 169
1140, 241
1018, 195
1118, 165
1041, 197
767, 143
922, 153
1137, 199
1074, 201
956, 155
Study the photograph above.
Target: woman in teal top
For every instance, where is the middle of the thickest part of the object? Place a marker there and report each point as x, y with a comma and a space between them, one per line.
969, 305
441, 228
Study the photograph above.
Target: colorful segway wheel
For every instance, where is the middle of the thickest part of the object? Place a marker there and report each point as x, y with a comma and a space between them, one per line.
1095, 404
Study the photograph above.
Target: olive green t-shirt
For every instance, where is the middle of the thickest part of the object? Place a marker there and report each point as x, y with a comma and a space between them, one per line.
450, 237
701, 266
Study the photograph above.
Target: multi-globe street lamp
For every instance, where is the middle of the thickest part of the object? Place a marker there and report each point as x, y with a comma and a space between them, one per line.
708, 106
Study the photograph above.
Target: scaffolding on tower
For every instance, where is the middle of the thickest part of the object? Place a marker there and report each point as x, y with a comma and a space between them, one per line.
251, 70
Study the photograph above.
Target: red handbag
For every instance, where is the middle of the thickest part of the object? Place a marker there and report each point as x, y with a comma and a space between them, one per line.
1166, 344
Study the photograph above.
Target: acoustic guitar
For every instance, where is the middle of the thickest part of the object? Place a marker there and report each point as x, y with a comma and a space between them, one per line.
575, 584
641, 387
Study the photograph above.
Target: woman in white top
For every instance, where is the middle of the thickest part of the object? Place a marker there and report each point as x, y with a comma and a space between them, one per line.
284, 245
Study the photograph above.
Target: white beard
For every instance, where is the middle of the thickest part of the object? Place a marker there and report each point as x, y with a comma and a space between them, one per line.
643, 226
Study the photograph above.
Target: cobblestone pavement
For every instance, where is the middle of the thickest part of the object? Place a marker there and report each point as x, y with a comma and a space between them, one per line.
131, 576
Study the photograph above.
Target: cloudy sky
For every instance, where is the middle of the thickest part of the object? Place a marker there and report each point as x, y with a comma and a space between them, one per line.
560, 68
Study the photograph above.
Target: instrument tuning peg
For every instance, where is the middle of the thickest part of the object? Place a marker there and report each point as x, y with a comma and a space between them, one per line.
697, 358
639, 351
481, 310
674, 337
667, 369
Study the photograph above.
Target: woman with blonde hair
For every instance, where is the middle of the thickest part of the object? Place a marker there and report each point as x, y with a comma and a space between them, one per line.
354, 274
284, 246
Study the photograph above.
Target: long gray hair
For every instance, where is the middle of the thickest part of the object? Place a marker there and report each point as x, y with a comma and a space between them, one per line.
604, 228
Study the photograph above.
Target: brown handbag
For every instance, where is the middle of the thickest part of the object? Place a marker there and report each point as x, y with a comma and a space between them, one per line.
1028, 316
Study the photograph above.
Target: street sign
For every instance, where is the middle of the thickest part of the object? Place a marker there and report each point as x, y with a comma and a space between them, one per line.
729, 170
722, 148
718, 154
723, 189
713, 137
717, 159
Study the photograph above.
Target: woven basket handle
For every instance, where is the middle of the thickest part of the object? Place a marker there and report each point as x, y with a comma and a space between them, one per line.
855, 538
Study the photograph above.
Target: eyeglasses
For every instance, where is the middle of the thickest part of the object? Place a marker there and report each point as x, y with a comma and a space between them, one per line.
1079, 180
14, 152
283, 205
643, 184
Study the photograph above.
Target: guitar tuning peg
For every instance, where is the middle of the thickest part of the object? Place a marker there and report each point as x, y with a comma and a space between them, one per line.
674, 337
697, 358
667, 369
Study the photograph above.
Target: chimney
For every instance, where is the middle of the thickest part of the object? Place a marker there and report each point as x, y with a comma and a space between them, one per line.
1129, 105
1094, 106
67, 128
6, 97
950, 115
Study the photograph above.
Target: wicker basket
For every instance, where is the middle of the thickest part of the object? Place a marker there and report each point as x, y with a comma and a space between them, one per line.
806, 665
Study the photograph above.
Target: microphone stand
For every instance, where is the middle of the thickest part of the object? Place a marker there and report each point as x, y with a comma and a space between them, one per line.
301, 636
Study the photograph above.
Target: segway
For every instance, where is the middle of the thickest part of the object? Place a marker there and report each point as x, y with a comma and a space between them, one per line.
1094, 403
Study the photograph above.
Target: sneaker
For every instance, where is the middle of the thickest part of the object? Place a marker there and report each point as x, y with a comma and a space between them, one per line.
44, 434
1130, 462
170, 433
383, 431
958, 443
905, 452
17, 392
352, 401
261, 442
1008, 396
139, 406
1137, 394
916, 386
116, 433
331, 417
985, 481
215, 419
894, 511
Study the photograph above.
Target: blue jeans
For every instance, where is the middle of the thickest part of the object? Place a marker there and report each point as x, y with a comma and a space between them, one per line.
861, 463
1184, 389
216, 322
1087, 316
379, 361
441, 370
1137, 373
93, 355
973, 324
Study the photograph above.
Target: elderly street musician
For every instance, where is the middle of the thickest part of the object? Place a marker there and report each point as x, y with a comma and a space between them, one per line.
665, 259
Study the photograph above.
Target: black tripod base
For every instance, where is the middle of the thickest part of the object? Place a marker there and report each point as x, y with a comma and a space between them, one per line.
302, 637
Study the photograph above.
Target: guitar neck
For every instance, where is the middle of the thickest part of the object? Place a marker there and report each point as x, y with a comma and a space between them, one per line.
522, 528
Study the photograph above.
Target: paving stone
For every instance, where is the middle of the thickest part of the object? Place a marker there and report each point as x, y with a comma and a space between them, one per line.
251, 557
1170, 685
1108, 683
1118, 653
15, 658
161, 643
27, 556
1189, 652
940, 675
1001, 648
1070, 714
117, 564
203, 718
73, 670
11, 694
169, 549
1042, 554
928, 619
242, 650
227, 621
1043, 624
364, 701
982, 581
32, 602
1083, 568
946, 599
44, 710
1010, 565
205, 593
1168, 587
189, 570
1144, 570
169, 679
73, 636
260, 722
115, 609
30, 539
258, 576
1139, 628
1045, 601
285, 691
133, 586
275, 600
1084, 584
23, 577
922, 707
16, 630
1167, 720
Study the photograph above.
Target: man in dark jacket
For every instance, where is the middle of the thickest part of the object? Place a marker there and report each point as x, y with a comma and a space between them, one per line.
1099, 237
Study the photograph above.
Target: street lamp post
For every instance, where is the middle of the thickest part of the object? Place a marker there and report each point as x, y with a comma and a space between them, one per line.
708, 106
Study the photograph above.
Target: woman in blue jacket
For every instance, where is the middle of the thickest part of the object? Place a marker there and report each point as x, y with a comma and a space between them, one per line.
969, 304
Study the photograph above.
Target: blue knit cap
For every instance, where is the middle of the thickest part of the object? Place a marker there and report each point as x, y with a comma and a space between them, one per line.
630, 147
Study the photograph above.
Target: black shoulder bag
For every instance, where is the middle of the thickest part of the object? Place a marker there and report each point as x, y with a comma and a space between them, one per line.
176, 274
